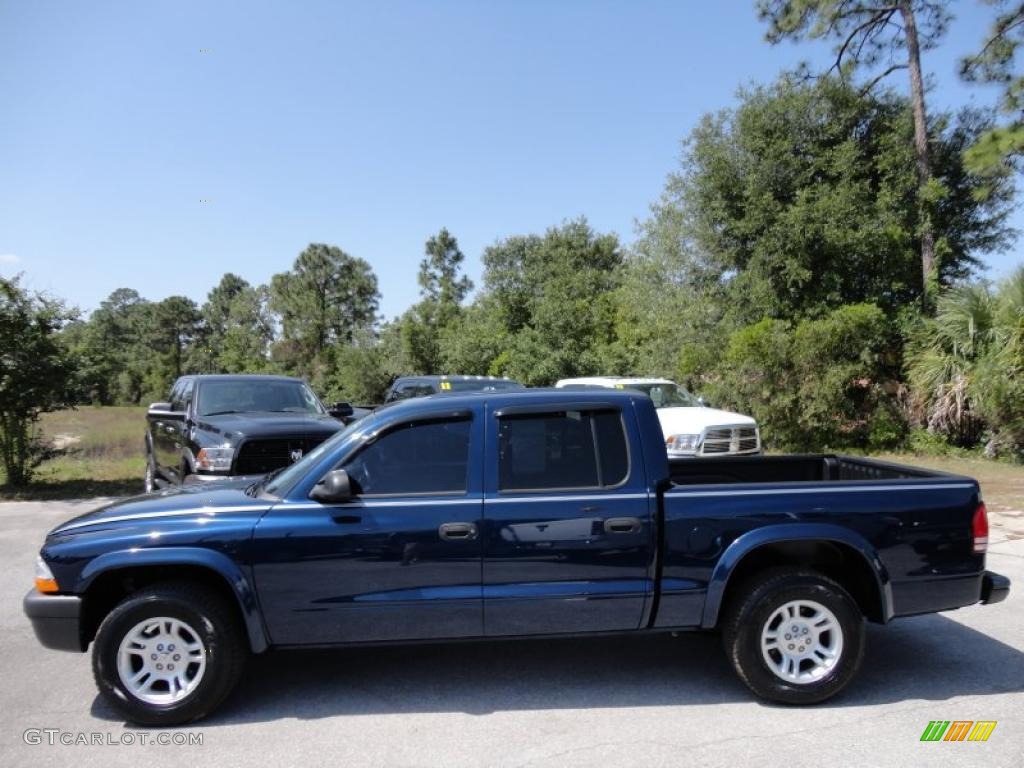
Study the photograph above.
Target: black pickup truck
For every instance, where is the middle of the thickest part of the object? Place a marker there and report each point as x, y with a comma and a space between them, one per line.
508, 514
216, 426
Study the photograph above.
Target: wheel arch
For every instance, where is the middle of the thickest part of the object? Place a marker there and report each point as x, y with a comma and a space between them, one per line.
114, 575
839, 553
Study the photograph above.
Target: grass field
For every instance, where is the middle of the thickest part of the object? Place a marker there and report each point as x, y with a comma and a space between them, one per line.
103, 456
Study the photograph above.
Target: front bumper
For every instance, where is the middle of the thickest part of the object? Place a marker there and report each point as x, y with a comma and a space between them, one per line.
994, 588
55, 620
698, 455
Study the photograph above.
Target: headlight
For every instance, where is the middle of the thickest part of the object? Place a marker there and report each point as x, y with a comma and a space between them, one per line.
44, 577
215, 459
681, 443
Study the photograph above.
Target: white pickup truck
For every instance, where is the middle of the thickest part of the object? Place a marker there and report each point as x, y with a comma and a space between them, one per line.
691, 429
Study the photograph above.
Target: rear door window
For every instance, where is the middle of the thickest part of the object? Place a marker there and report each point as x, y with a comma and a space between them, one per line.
562, 450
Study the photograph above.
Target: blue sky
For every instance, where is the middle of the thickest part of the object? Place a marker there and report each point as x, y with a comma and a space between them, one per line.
365, 125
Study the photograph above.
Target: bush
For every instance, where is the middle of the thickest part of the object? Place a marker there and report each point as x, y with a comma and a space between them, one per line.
756, 376
821, 384
967, 367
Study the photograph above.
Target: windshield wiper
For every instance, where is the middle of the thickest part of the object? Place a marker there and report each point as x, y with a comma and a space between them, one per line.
219, 413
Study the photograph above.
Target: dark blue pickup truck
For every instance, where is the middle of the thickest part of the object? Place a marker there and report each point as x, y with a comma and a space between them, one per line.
501, 515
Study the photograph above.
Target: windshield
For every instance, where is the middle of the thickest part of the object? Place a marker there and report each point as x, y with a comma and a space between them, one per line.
667, 395
279, 483
242, 396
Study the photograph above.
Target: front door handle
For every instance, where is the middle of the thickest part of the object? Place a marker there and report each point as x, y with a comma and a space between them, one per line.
457, 531
622, 525
346, 519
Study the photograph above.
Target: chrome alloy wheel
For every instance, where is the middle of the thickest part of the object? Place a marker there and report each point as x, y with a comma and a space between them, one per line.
801, 642
161, 660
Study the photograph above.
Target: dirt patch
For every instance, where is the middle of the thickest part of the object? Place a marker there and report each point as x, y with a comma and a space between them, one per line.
63, 441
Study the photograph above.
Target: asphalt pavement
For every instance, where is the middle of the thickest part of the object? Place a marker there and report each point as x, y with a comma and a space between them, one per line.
622, 701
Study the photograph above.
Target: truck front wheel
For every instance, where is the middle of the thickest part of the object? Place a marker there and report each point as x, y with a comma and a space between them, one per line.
168, 654
794, 636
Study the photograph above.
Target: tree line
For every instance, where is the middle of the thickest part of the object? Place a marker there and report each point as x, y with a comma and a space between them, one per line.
813, 260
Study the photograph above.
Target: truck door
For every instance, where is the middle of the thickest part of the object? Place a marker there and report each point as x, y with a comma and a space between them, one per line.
568, 542
400, 561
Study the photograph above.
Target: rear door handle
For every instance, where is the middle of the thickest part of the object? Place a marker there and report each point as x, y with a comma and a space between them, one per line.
457, 531
622, 525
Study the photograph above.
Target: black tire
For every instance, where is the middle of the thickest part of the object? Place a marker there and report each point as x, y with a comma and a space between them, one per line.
752, 606
214, 624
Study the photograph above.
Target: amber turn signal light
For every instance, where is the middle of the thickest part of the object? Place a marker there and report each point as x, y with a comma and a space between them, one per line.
44, 578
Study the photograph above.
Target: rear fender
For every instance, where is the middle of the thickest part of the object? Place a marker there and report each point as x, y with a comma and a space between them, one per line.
797, 532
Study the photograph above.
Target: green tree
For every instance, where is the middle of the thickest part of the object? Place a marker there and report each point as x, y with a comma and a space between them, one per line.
442, 290
171, 327
112, 355
803, 198
996, 149
205, 357
248, 332
552, 296
668, 310
361, 374
236, 331
326, 299
439, 277
36, 375
476, 343
869, 35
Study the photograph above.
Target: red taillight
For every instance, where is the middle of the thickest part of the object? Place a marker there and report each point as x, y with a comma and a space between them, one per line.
979, 528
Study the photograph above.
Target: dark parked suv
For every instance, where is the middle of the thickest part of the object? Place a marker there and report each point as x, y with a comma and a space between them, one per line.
215, 426
419, 386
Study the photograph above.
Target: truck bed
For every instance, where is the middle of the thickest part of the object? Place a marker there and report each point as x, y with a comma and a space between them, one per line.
916, 522
789, 469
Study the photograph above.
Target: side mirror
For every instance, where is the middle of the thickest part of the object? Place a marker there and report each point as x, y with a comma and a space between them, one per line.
333, 487
703, 402
341, 410
163, 410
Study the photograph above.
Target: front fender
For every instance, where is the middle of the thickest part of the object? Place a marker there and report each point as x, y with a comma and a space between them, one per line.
217, 562
778, 534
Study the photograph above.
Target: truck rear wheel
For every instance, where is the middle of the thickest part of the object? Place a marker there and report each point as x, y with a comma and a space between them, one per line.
794, 636
168, 654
